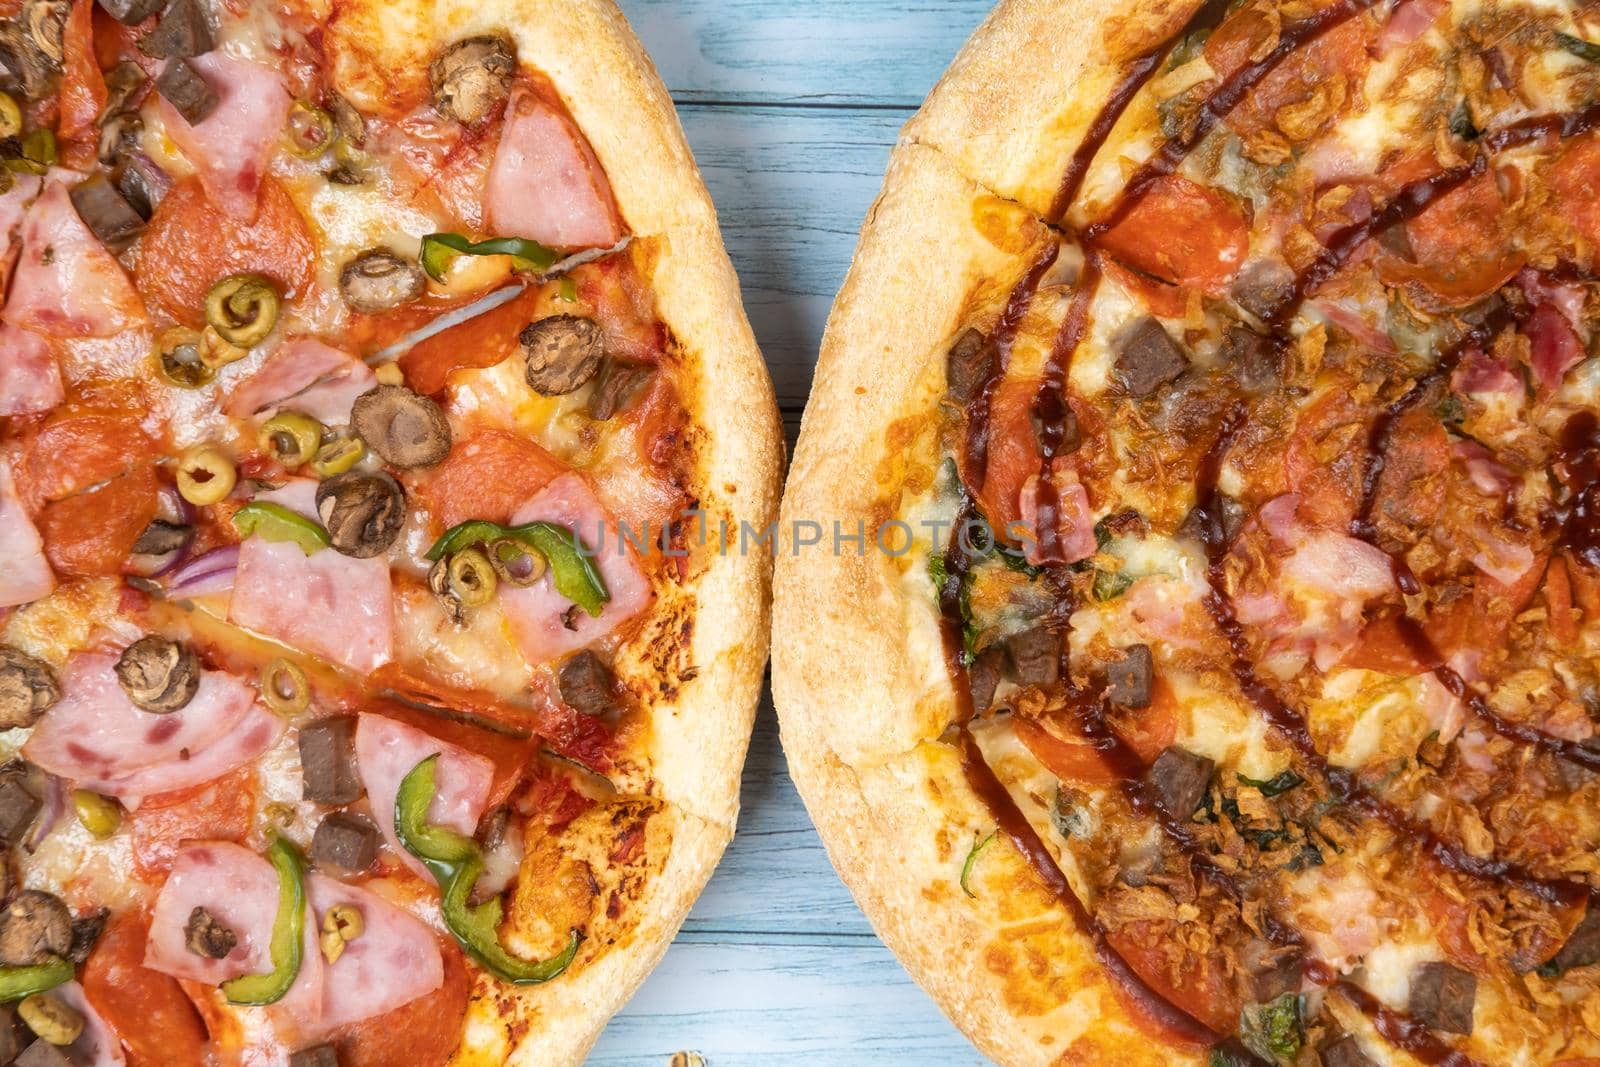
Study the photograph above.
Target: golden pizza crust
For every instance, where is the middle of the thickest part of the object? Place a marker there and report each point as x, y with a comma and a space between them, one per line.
700, 732
1017, 100
860, 686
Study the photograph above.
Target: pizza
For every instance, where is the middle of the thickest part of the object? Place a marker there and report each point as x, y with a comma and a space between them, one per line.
1214, 680
371, 692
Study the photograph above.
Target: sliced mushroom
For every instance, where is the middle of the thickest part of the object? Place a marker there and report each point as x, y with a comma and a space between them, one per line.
619, 382
119, 135
132, 12
347, 119
158, 674
403, 428
315, 1056
28, 688
106, 212
123, 83
182, 33
439, 585
158, 547
35, 927
362, 512
378, 280
470, 77
86, 931
563, 353
205, 936
46, 23
183, 87
19, 806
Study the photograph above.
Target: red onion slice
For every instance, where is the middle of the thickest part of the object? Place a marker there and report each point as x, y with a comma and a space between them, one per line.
210, 573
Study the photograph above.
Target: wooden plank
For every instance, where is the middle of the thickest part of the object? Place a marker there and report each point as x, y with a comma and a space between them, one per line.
833, 1004
775, 878
792, 187
816, 52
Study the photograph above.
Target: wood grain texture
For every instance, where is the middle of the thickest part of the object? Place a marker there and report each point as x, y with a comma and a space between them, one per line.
791, 108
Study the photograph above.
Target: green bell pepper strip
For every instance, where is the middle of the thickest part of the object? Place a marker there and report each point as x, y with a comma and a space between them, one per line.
572, 565
455, 863
274, 522
288, 932
17, 983
439, 249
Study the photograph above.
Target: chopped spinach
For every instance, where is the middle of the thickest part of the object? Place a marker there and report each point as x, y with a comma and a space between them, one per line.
1274, 1031
1585, 50
1067, 813
1461, 123
1108, 585
1275, 786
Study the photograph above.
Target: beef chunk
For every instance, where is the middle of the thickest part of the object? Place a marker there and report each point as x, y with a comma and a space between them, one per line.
345, 841
1282, 977
1130, 680
1263, 287
315, 1056
35, 926
1147, 357
106, 212
1195, 524
186, 91
1582, 948
18, 806
141, 182
587, 685
183, 32
1442, 997
1179, 779
86, 931
1253, 357
1036, 656
328, 761
983, 677
42, 1054
1345, 1052
970, 363
206, 937
14, 1034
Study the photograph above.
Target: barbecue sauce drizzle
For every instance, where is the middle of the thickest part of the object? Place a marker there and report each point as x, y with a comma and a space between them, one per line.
1580, 451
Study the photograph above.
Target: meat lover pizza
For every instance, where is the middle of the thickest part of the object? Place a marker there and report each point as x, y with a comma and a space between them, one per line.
1230, 695
366, 696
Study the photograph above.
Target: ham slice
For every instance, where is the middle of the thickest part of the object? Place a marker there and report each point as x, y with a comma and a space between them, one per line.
545, 182
98, 1045
13, 206
308, 376
67, 284
387, 751
30, 381
96, 737
240, 890
230, 148
330, 605
394, 961
1480, 374
25, 574
1074, 520
538, 614
258, 731
1555, 346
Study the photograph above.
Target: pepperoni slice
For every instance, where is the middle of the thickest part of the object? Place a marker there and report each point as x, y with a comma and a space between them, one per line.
83, 87
1075, 760
422, 1033
1192, 982
1324, 459
1575, 177
221, 810
1312, 81
1460, 246
1183, 234
1013, 451
190, 244
482, 341
77, 449
156, 1022
489, 476
93, 533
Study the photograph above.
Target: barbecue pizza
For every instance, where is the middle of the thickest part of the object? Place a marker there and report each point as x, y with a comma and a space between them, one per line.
1185, 640
370, 372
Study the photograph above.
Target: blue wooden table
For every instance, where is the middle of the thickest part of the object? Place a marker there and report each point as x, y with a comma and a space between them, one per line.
791, 107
